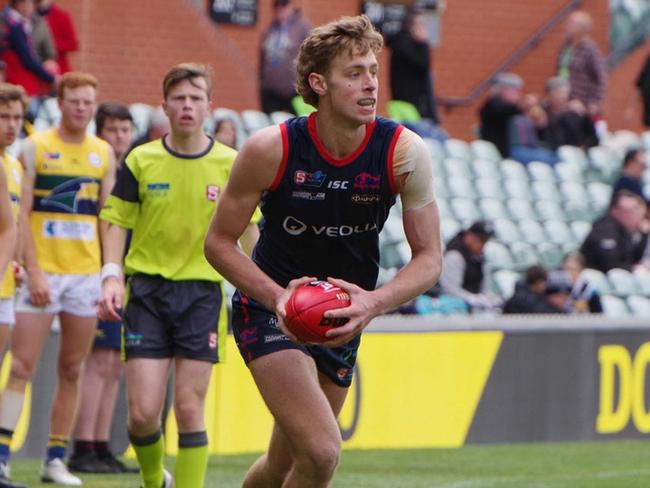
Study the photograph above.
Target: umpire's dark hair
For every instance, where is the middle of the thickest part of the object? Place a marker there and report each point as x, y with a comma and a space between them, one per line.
536, 273
111, 110
630, 155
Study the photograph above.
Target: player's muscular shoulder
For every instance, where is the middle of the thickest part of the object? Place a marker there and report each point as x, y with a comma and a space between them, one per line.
261, 156
412, 169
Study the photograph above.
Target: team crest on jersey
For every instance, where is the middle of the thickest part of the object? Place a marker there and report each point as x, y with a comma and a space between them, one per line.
304, 178
366, 181
53, 156
94, 159
212, 192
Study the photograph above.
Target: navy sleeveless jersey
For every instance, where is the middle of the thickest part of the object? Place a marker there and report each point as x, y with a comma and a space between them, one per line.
322, 216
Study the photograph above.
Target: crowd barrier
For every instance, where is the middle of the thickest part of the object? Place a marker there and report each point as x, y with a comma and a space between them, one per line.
424, 382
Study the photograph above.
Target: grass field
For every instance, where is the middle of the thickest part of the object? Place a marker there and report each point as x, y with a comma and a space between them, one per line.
615, 464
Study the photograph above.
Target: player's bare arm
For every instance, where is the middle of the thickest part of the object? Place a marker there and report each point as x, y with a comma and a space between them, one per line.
414, 179
39, 289
112, 299
253, 172
7, 225
106, 186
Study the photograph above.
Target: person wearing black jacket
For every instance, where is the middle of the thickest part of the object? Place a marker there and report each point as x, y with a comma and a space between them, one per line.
410, 66
498, 110
529, 295
616, 240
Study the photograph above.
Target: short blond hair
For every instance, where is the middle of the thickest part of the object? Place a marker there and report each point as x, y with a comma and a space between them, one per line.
13, 93
75, 79
354, 35
188, 71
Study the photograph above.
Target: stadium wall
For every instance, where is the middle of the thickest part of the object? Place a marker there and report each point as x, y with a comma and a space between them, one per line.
434, 382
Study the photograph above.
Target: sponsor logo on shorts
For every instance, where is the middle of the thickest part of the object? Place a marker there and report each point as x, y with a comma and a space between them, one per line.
212, 340
212, 192
64, 229
304, 178
308, 195
275, 338
133, 339
366, 181
365, 198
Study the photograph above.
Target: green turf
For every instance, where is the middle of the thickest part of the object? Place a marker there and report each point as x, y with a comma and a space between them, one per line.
619, 464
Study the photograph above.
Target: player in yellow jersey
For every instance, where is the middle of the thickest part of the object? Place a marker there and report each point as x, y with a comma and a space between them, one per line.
13, 104
68, 174
167, 192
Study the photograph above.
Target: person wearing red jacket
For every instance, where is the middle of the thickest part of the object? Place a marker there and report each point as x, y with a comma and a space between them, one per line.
63, 31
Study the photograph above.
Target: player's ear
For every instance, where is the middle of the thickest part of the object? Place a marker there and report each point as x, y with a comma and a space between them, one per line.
317, 83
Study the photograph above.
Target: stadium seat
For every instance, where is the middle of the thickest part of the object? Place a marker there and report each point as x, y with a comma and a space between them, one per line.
524, 255
440, 187
141, 113
465, 210
489, 188
459, 186
505, 281
458, 168
544, 190
560, 233
497, 256
614, 306
458, 149
624, 140
539, 171
532, 231
506, 231
575, 155
517, 189
16, 148
513, 170
449, 227
436, 149
597, 279
280, 116
642, 276
521, 209
402, 111
639, 305
580, 229
484, 168
49, 111
622, 282
567, 171
645, 138
492, 208
300, 107
485, 150
577, 200
443, 208
549, 209
605, 161
601, 194
254, 120
550, 255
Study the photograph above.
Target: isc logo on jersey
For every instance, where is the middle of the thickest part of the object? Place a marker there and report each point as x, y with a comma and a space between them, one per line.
65, 229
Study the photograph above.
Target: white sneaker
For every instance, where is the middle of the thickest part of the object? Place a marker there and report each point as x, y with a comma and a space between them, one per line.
168, 481
57, 472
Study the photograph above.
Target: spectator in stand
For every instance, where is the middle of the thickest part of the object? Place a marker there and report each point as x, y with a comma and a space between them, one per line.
584, 297
529, 295
23, 64
581, 63
463, 271
523, 141
568, 122
635, 163
63, 32
502, 104
616, 240
558, 292
157, 128
410, 66
643, 84
225, 132
43, 41
278, 49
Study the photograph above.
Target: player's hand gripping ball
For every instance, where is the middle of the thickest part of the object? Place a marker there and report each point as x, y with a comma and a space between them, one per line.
306, 306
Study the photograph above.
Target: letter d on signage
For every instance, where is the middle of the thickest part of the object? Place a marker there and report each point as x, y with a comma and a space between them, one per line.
613, 416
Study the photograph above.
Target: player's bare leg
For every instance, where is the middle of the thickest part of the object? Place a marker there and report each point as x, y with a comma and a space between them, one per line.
306, 431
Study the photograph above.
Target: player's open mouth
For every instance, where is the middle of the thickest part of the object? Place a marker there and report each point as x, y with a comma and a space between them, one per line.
367, 102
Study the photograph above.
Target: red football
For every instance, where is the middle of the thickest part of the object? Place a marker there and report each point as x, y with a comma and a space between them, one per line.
306, 307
